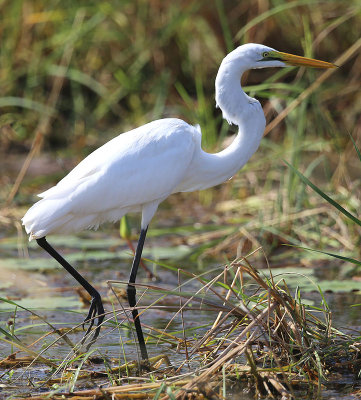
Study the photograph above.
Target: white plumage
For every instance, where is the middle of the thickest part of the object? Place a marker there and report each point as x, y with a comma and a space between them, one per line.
119, 177
139, 169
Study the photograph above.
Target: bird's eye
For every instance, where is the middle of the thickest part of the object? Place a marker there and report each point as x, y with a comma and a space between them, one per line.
265, 54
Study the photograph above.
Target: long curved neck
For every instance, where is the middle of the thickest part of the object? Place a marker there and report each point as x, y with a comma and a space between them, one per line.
239, 109
230, 97
219, 167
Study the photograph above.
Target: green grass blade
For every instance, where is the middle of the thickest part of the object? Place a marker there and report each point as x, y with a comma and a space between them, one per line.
159, 391
225, 26
348, 259
8, 335
355, 145
324, 195
271, 12
22, 102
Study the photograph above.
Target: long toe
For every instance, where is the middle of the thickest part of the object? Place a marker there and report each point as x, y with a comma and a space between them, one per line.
91, 316
99, 312
96, 309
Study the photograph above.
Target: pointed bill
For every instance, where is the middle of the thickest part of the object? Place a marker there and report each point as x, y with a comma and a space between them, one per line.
291, 59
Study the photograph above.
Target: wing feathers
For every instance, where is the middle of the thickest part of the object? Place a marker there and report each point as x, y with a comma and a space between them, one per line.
134, 169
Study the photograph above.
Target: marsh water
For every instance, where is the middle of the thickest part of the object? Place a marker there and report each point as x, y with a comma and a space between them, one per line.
36, 292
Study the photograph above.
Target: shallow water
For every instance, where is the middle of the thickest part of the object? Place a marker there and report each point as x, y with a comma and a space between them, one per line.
41, 285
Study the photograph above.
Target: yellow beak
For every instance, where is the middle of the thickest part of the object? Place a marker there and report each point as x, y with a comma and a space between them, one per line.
290, 59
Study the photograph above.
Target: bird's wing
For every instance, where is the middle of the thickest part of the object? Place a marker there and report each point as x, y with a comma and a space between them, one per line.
134, 168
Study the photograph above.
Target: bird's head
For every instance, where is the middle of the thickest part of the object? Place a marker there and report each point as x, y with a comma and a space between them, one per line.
229, 95
251, 55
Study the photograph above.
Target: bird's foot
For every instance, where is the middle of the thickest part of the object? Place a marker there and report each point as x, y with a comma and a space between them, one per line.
91, 314
96, 311
144, 366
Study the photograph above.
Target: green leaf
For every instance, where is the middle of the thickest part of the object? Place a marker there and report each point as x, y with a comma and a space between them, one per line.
124, 228
351, 260
324, 195
8, 334
355, 145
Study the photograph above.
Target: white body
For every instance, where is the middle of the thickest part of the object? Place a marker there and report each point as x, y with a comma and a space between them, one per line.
139, 169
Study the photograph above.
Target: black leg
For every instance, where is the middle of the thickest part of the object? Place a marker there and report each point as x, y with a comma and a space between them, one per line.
131, 292
96, 306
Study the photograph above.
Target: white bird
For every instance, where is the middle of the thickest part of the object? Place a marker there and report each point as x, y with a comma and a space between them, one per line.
137, 170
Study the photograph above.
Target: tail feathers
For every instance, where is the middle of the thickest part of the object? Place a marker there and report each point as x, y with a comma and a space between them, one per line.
54, 215
45, 216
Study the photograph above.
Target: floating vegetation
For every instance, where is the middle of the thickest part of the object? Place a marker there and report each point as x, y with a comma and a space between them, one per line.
262, 337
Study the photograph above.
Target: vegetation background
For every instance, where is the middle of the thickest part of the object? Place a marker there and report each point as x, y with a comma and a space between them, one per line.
75, 74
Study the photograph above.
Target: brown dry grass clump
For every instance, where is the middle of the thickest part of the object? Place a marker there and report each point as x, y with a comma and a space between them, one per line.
263, 340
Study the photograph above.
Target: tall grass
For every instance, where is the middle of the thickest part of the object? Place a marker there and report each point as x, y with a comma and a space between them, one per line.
128, 57
123, 64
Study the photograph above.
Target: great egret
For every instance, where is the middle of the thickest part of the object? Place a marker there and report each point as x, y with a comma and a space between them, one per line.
138, 169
